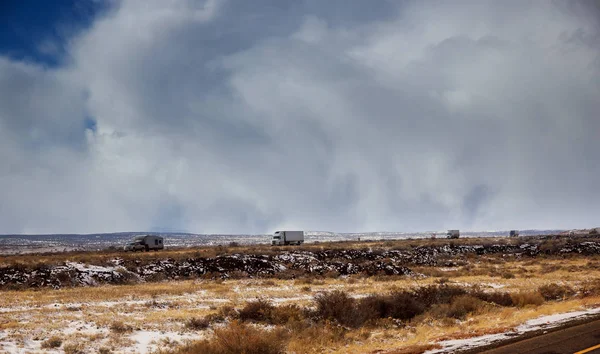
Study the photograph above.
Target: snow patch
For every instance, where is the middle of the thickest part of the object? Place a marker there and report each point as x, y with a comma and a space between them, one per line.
543, 322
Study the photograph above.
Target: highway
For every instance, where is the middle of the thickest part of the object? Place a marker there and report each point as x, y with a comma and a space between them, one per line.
579, 339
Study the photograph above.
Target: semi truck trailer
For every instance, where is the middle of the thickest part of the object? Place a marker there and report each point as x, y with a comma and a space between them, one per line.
287, 238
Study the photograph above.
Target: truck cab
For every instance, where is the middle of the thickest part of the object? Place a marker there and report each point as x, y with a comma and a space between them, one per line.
134, 247
276, 240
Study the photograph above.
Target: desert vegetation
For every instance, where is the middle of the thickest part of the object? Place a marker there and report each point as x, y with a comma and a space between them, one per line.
465, 289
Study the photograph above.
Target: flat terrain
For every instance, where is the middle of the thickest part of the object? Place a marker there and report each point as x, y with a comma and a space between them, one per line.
329, 297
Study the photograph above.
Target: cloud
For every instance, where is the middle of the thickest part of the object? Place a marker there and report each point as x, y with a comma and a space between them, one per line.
222, 117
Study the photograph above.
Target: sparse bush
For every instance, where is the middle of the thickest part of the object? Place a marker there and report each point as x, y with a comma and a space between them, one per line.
431, 295
404, 306
268, 283
104, 350
525, 298
498, 298
312, 338
258, 310
120, 327
593, 232
227, 311
197, 323
590, 288
549, 268
240, 338
335, 305
304, 280
555, 292
286, 313
74, 348
464, 305
508, 275
443, 281
52, 342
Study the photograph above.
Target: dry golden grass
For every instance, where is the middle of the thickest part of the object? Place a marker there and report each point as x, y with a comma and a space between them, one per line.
168, 306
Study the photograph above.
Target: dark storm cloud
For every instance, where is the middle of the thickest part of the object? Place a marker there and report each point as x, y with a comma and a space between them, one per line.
234, 116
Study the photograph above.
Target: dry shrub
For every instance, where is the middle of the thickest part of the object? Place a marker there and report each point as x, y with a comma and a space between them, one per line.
463, 305
286, 314
443, 294
259, 310
74, 348
555, 292
52, 342
508, 275
268, 283
312, 338
197, 323
120, 327
240, 338
335, 305
223, 313
525, 298
590, 288
449, 301
549, 268
498, 298
399, 304
304, 280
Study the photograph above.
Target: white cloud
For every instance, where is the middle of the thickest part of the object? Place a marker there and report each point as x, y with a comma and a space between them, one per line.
220, 118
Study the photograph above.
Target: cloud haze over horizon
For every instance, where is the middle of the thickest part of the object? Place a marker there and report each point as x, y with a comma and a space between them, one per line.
249, 116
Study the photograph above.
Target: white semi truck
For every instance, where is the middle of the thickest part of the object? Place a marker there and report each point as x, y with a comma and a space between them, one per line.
453, 234
287, 238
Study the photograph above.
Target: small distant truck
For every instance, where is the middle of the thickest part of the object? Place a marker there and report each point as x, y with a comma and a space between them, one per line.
287, 238
453, 234
514, 233
145, 243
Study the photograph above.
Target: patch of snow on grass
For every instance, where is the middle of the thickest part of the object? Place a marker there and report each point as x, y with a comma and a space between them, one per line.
542, 322
494, 285
444, 269
147, 341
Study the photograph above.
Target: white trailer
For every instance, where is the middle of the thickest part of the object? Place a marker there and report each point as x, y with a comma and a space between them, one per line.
453, 234
145, 243
287, 238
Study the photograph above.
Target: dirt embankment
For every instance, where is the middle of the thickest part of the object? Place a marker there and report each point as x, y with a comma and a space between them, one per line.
285, 264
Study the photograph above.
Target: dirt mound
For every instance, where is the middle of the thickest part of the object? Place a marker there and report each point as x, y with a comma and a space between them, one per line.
69, 274
287, 264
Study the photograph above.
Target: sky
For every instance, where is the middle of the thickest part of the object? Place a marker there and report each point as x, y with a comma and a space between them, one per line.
234, 116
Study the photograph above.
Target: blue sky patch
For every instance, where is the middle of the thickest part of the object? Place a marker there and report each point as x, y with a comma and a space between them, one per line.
37, 31
90, 123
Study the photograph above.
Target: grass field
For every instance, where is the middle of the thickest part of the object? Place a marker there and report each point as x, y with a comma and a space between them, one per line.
310, 314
